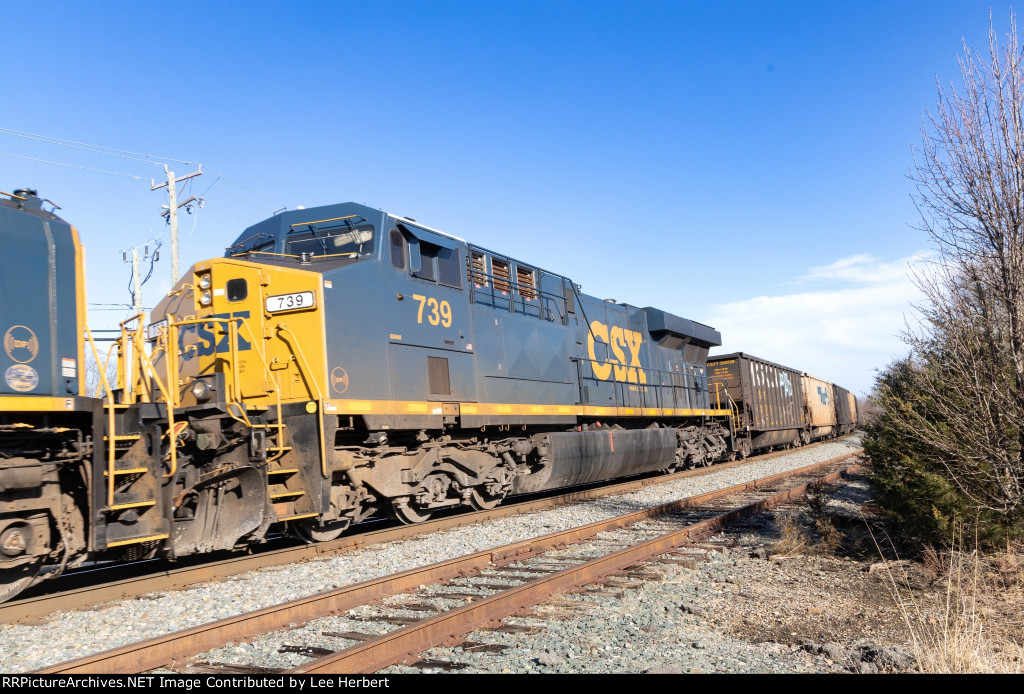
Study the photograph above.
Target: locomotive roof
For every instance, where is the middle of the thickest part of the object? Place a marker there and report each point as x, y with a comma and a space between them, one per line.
29, 204
283, 223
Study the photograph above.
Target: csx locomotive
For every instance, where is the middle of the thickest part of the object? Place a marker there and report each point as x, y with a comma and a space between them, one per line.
48, 453
339, 362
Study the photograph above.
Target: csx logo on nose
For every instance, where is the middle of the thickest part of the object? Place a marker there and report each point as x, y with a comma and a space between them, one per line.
207, 334
617, 338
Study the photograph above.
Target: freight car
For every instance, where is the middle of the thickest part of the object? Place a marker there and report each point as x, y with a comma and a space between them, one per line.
777, 405
768, 398
819, 407
846, 410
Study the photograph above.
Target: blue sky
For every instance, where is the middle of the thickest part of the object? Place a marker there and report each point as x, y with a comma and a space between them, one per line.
738, 163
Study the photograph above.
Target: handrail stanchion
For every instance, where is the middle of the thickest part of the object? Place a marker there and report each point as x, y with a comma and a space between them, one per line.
108, 401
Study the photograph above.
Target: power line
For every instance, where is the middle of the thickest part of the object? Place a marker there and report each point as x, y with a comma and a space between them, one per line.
136, 156
98, 149
220, 175
244, 219
122, 308
224, 190
74, 166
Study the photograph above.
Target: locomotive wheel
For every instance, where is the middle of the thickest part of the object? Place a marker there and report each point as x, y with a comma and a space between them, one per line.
321, 532
13, 581
482, 501
409, 515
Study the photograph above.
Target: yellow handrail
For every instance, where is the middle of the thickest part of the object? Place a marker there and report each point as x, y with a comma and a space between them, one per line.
128, 394
310, 381
109, 403
277, 389
172, 436
734, 411
140, 389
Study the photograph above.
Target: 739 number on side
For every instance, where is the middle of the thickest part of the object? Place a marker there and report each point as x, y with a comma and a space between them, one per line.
290, 302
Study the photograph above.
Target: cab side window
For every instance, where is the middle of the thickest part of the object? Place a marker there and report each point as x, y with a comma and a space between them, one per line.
438, 264
397, 249
449, 267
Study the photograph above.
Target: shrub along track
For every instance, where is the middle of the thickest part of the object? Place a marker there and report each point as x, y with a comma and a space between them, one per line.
85, 589
539, 577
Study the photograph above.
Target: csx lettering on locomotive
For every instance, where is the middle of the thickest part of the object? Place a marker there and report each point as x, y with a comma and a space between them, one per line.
616, 367
207, 333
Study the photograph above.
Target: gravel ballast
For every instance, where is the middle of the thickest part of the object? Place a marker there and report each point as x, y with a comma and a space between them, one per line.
613, 638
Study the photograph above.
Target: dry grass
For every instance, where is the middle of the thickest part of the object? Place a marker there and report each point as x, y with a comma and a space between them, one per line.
959, 628
829, 536
792, 540
796, 536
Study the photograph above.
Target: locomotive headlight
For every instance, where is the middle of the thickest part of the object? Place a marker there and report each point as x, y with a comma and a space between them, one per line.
205, 282
206, 298
201, 390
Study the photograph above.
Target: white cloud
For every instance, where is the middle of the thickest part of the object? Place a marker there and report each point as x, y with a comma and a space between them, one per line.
863, 268
842, 328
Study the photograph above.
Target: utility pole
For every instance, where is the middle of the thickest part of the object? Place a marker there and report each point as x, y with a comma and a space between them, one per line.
136, 278
172, 211
136, 299
136, 284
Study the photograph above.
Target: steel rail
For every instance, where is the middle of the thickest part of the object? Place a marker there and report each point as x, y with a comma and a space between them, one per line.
37, 607
173, 648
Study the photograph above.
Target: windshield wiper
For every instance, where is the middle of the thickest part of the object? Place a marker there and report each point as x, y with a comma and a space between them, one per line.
241, 245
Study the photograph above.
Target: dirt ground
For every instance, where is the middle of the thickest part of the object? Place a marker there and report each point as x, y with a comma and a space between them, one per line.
832, 576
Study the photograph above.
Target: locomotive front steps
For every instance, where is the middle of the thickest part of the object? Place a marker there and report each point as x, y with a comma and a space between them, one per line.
287, 494
133, 510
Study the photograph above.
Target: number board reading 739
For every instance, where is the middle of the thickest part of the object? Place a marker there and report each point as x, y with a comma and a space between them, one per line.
290, 302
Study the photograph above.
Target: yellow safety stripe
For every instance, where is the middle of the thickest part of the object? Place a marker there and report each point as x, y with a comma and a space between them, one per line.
36, 403
321, 221
407, 407
81, 309
137, 540
299, 516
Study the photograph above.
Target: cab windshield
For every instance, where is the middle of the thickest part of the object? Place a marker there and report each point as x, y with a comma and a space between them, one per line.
316, 243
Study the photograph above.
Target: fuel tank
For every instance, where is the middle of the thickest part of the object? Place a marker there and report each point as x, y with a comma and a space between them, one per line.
578, 457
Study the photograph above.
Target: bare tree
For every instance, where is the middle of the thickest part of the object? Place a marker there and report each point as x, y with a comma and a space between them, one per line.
93, 379
965, 409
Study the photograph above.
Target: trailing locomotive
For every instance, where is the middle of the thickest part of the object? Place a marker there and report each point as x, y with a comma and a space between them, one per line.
47, 446
338, 362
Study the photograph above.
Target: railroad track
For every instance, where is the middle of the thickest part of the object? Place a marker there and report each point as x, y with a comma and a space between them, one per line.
108, 584
469, 592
